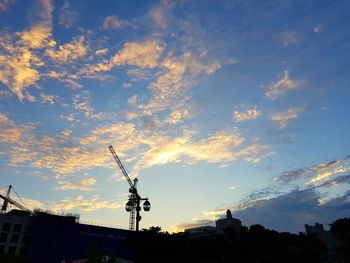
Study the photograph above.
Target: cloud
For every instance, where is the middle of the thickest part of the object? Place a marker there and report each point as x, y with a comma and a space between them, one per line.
317, 29
68, 17
83, 204
70, 51
145, 54
283, 119
17, 69
66, 154
161, 13
34, 204
316, 174
10, 132
19, 63
289, 38
223, 146
231, 188
47, 98
249, 114
81, 103
297, 208
141, 54
281, 86
81, 185
170, 89
5, 4
101, 51
113, 22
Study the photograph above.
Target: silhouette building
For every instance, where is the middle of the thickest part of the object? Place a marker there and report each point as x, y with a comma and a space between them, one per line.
44, 237
228, 222
220, 226
314, 229
326, 236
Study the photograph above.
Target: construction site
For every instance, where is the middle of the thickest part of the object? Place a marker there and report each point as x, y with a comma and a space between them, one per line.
44, 236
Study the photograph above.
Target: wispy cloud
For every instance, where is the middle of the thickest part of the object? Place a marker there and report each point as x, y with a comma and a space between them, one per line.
281, 86
161, 13
283, 119
5, 4
84, 184
11, 132
83, 204
249, 114
114, 22
65, 154
289, 38
68, 17
45, 98
70, 51
317, 174
81, 103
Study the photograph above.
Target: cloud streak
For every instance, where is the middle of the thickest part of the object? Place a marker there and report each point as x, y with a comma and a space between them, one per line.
283, 119
249, 114
84, 184
280, 87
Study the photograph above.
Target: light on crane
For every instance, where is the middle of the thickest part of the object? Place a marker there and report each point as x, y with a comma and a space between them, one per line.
134, 203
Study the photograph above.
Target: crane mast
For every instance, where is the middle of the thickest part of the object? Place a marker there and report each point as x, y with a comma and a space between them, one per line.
8, 200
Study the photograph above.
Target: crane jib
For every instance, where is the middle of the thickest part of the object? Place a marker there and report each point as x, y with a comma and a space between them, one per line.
116, 158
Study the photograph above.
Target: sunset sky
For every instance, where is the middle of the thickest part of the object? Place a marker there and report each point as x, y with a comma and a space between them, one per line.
212, 104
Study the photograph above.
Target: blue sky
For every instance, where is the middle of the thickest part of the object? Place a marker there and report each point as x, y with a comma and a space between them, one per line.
211, 104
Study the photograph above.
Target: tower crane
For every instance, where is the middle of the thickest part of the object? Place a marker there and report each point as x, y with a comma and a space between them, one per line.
8, 200
134, 203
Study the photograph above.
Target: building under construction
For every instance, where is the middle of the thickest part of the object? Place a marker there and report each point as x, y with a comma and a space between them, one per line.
43, 237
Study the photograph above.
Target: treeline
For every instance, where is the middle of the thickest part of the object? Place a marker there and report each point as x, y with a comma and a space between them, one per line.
253, 244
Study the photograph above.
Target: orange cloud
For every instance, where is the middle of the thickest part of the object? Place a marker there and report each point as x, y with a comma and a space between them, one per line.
249, 114
283, 119
85, 204
70, 51
113, 22
281, 86
84, 184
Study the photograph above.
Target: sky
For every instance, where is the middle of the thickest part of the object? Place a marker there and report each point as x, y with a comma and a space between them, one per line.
212, 105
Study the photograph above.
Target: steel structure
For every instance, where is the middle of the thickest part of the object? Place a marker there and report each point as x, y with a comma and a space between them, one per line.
134, 203
8, 200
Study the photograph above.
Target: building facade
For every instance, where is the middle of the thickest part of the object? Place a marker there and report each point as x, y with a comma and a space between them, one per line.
43, 237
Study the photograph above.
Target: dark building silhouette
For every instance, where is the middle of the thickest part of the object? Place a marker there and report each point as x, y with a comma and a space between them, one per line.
228, 222
44, 237
220, 226
326, 236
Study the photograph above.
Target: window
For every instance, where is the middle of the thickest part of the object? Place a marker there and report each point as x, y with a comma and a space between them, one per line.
23, 251
28, 229
3, 237
15, 238
17, 228
25, 239
6, 227
12, 250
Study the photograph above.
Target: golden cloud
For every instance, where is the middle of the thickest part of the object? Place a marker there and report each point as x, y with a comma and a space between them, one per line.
10, 132
283, 119
69, 51
84, 184
249, 114
281, 86
85, 204
114, 22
